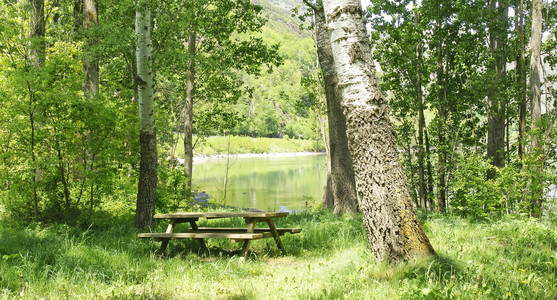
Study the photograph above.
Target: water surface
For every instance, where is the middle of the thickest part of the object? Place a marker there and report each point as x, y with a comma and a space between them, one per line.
266, 183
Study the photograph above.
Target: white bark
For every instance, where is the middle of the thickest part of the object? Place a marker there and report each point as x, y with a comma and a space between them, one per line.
147, 185
144, 71
393, 229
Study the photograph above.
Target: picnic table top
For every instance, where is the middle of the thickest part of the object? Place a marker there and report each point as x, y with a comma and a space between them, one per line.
214, 215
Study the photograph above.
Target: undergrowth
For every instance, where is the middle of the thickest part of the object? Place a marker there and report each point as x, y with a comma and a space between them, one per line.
510, 258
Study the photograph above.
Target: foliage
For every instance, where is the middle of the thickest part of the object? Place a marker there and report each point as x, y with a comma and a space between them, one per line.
474, 195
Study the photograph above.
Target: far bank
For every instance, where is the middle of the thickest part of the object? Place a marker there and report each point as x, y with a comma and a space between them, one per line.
215, 146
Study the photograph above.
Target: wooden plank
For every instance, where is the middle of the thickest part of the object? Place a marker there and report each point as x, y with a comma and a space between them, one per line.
281, 231
275, 234
214, 215
245, 247
202, 235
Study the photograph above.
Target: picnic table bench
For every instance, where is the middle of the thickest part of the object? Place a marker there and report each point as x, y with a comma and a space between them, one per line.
245, 235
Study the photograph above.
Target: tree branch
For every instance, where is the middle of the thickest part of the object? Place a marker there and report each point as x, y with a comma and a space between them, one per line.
311, 5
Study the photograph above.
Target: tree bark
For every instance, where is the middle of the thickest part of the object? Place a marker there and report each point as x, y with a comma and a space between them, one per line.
343, 185
393, 229
90, 60
147, 185
535, 89
495, 96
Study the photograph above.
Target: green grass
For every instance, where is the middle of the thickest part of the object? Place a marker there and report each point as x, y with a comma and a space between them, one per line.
506, 259
215, 145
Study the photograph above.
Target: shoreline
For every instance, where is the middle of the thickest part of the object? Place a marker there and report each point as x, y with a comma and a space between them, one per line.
203, 158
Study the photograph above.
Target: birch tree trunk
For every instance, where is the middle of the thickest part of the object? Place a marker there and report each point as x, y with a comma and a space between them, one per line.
146, 194
535, 88
341, 180
393, 229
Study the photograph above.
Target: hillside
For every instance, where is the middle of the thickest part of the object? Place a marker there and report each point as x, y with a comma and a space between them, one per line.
277, 107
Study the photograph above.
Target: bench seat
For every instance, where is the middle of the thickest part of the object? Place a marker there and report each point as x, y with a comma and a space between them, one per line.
205, 235
280, 231
234, 234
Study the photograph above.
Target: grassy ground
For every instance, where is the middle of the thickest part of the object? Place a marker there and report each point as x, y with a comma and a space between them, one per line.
506, 259
241, 144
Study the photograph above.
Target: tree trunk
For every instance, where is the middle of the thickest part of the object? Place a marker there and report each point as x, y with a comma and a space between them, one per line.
441, 155
90, 60
188, 109
495, 96
343, 185
535, 88
37, 60
429, 190
393, 229
38, 27
147, 186
77, 14
421, 120
521, 63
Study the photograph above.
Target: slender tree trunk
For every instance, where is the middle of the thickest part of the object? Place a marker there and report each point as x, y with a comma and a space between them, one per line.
495, 96
441, 155
429, 190
147, 186
33, 156
421, 120
77, 14
188, 108
37, 59
393, 229
535, 89
90, 60
38, 28
521, 63
342, 178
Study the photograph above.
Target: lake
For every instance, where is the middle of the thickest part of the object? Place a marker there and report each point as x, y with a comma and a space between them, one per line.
266, 183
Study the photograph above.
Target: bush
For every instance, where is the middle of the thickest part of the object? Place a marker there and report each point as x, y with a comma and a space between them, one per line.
473, 195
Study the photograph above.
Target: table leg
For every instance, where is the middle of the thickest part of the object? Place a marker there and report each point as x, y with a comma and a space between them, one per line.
245, 248
201, 241
275, 234
164, 243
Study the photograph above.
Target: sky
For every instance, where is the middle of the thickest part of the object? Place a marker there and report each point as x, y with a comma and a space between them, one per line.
365, 3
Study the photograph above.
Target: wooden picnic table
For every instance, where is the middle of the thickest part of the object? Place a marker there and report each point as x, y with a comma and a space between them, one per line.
245, 235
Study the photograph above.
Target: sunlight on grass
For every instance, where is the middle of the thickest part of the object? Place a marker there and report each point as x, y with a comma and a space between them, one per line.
509, 258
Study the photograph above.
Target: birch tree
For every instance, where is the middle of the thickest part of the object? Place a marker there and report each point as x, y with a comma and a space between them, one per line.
146, 194
340, 178
393, 229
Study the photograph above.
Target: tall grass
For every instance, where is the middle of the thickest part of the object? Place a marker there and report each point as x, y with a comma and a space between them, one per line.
506, 259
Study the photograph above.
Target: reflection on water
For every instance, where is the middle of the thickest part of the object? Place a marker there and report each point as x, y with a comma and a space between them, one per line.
264, 182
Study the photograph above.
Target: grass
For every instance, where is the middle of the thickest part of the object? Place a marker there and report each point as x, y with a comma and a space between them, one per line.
215, 145
505, 259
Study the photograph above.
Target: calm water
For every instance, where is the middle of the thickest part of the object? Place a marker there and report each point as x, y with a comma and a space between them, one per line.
264, 182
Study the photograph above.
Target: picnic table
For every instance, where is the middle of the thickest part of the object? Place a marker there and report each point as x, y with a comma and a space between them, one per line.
245, 235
